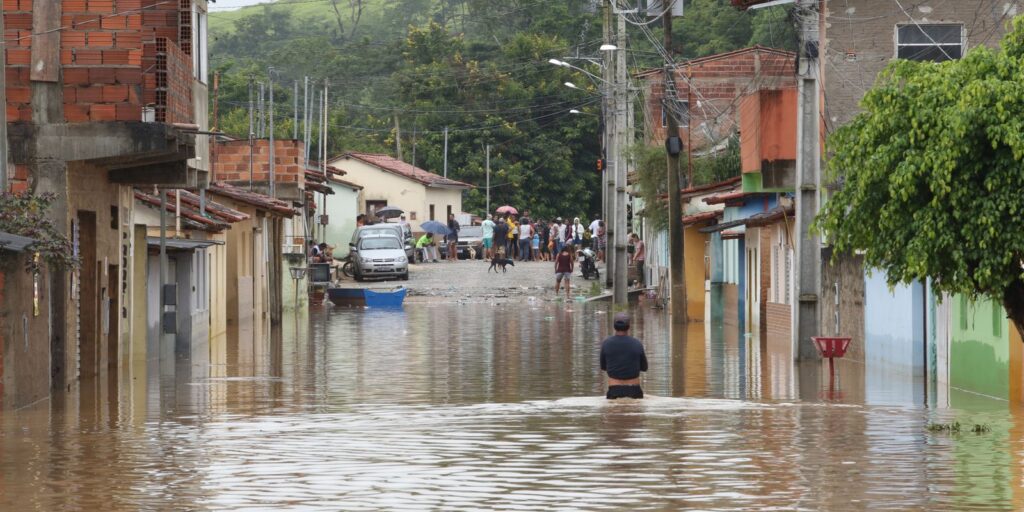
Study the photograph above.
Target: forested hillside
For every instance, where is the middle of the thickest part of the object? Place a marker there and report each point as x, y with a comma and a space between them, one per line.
409, 68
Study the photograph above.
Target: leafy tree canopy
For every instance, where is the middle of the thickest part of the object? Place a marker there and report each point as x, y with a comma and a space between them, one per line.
931, 173
25, 215
478, 67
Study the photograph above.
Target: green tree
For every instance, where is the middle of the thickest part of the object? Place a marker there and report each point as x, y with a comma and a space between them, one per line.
25, 215
931, 174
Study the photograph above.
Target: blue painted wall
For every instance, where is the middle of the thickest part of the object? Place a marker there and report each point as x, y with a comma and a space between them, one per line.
894, 324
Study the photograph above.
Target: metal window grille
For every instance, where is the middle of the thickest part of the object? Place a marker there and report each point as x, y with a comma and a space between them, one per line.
932, 42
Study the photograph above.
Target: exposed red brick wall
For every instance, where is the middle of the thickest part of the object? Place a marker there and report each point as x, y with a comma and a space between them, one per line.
718, 83
102, 54
779, 321
17, 42
169, 85
19, 181
231, 161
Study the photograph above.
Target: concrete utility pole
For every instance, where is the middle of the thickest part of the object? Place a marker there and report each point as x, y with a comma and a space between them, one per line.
620, 285
3, 126
295, 109
607, 178
673, 146
488, 166
398, 138
270, 81
252, 133
446, 152
305, 121
808, 178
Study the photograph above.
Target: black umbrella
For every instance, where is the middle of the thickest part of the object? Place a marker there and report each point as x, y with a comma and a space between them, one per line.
389, 212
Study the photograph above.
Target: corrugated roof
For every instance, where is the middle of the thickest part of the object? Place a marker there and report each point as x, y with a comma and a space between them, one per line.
213, 208
191, 219
252, 198
16, 243
395, 166
771, 216
697, 218
727, 197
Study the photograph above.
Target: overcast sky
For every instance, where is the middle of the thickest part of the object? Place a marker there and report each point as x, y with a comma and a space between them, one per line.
227, 5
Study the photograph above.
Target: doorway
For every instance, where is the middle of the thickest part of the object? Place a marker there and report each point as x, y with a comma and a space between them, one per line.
88, 297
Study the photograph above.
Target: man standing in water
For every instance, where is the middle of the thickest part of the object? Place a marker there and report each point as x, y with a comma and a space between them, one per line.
623, 357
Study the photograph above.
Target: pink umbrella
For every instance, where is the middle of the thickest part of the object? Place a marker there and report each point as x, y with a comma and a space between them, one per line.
508, 209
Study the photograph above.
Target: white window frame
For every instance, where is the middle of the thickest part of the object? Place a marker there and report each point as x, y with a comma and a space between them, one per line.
200, 60
896, 37
684, 123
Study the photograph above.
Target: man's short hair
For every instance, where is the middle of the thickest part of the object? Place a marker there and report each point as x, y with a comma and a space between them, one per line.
621, 322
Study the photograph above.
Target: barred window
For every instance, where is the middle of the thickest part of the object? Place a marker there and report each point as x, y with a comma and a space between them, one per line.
930, 42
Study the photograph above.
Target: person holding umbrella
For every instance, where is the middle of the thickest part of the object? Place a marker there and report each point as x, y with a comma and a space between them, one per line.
425, 246
432, 227
453, 237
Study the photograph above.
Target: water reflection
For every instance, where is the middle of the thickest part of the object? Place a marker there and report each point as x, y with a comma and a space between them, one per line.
481, 406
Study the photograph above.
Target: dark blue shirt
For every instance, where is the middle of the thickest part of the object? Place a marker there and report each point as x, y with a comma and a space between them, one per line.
623, 357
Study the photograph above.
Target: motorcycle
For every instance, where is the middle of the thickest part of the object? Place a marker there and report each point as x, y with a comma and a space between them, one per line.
588, 264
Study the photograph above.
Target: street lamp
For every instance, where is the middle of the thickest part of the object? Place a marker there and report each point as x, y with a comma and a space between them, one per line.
572, 86
608, 48
297, 274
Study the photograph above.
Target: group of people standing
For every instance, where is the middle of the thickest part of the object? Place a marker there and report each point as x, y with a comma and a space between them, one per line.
528, 240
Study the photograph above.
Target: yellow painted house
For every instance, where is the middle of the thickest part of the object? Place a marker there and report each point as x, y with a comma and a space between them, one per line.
387, 181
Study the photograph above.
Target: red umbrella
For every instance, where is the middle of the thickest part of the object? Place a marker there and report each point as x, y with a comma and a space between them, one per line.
508, 209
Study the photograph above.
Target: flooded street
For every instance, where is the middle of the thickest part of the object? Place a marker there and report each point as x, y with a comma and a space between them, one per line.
500, 406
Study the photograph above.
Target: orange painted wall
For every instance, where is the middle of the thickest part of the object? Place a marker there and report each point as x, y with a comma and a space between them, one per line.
767, 127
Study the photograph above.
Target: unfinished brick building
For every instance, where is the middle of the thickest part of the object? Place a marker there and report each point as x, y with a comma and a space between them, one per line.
101, 96
708, 109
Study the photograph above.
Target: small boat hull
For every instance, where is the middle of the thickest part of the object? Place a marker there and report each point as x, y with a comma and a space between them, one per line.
359, 297
347, 296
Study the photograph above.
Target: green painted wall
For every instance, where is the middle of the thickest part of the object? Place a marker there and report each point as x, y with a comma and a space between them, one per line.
753, 182
979, 359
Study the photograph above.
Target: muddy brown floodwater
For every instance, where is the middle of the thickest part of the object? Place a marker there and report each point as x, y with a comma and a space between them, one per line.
480, 406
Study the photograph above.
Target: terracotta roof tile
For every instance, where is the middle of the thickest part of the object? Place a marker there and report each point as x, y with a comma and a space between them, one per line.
190, 218
252, 198
395, 166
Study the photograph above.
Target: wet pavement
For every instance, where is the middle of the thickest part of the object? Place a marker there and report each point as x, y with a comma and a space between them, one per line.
475, 280
498, 405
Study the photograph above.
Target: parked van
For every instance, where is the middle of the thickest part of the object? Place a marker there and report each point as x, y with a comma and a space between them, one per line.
401, 231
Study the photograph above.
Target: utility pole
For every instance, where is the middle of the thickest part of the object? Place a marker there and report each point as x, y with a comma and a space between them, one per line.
398, 138
323, 158
414, 142
488, 166
295, 109
305, 121
3, 126
620, 284
270, 82
808, 247
260, 114
446, 152
673, 146
607, 179
251, 133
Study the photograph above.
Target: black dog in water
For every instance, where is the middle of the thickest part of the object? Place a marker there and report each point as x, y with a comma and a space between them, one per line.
500, 262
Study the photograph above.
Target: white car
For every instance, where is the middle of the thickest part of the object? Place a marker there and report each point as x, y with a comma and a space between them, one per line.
380, 256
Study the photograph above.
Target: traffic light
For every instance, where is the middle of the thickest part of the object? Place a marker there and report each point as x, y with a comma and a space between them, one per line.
600, 164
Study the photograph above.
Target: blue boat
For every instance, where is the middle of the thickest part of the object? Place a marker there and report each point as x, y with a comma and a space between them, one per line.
362, 297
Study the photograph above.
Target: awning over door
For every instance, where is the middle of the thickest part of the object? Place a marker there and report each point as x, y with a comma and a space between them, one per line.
182, 244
